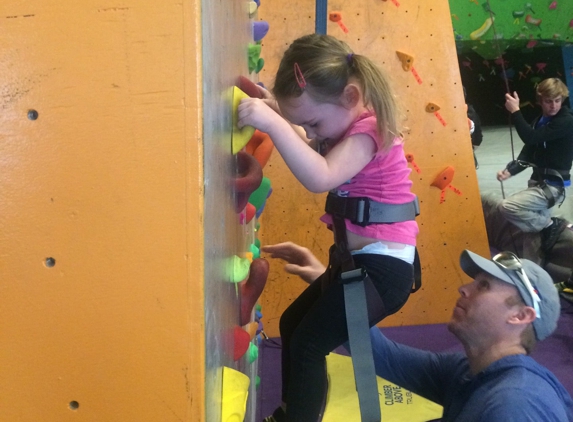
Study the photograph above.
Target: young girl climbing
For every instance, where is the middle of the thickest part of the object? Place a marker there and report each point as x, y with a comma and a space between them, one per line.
345, 106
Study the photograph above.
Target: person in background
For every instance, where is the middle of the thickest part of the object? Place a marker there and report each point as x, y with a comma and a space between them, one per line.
474, 124
504, 236
548, 150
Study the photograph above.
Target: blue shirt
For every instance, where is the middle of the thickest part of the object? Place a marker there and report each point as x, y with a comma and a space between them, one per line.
513, 389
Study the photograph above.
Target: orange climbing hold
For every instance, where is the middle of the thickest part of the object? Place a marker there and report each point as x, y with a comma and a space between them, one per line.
410, 159
406, 59
260, 146
433, 108
443, 181
337, 17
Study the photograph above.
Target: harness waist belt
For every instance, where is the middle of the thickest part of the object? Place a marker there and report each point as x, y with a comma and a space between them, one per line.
560, 174
364, 211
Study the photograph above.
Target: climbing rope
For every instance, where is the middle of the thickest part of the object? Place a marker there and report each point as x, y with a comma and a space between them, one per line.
505, 80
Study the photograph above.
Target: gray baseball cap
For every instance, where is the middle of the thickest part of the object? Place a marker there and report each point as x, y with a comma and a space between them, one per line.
549, 307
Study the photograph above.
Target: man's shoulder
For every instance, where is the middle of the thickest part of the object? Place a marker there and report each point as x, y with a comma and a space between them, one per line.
565, 114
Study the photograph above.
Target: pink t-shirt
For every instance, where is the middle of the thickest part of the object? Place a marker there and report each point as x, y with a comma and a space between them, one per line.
385, 179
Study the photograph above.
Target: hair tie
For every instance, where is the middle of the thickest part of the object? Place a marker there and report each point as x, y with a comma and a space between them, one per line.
299, 78
349, 58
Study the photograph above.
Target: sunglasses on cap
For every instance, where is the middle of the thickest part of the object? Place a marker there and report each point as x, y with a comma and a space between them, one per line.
510, 261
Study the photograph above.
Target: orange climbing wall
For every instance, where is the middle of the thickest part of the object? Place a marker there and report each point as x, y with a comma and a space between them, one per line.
378, 29
102, 293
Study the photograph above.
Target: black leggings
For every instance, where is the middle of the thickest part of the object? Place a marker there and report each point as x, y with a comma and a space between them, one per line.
315, 324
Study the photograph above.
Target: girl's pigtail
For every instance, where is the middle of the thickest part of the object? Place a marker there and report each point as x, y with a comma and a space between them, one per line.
379, 96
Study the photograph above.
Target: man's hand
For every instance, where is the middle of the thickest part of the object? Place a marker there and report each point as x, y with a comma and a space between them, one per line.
503, 175
512, 102
301, 260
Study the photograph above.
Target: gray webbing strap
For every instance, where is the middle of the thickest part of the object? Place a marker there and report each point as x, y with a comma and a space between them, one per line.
361, 347
364, 211
358, 326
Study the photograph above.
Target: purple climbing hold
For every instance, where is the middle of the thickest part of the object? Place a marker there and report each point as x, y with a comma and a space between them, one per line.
260, 29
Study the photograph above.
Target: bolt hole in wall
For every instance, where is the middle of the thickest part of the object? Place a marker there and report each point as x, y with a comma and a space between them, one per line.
50, 262
74, 405
32, 114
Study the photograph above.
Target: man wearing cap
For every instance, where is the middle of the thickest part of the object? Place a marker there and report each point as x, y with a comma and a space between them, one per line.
509, 306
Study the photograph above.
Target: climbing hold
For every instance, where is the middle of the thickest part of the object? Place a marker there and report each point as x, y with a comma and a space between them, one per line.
261, 147
540, 67
249, 87
443, 179
433, 108
337, 17
443, 182
237, 269
406, 59
530, 7
252, 288
533, 21
234, 395
262, 207
553, 5
255, 251
241, 342
252, 353
239, 137
249, 177
260, 64
259, 196
254, 51
252, 8
250, 212
408, 64
482, 29
260, 29
410, 159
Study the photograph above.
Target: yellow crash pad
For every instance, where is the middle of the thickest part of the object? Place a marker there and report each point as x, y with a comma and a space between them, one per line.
396, 403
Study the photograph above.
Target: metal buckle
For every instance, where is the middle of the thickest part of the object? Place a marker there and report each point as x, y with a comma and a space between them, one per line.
353, 276
362, 211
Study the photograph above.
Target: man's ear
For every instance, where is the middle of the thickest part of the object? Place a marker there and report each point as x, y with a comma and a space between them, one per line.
350, 96
525, 315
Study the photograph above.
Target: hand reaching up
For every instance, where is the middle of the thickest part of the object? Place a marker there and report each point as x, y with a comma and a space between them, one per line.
300, 260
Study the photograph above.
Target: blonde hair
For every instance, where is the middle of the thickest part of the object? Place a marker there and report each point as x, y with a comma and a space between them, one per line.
326, 65
551, 88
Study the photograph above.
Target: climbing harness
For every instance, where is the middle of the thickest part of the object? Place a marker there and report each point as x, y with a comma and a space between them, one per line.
362, 211
541, 175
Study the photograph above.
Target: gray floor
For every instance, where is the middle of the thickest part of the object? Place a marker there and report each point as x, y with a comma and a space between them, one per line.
494, 154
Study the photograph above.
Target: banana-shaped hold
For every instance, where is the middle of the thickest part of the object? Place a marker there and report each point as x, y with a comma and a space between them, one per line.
482, 29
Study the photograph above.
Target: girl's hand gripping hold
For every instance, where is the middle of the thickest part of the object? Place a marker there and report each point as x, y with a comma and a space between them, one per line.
257, 113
